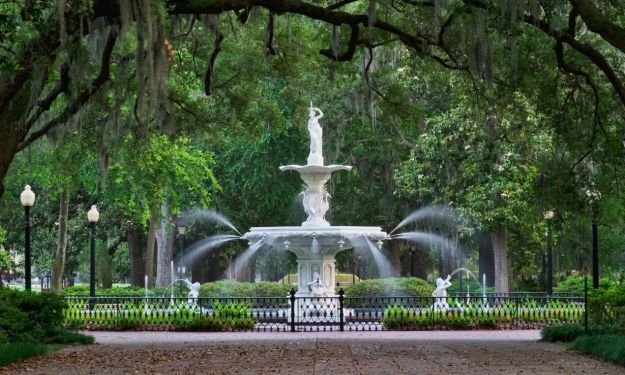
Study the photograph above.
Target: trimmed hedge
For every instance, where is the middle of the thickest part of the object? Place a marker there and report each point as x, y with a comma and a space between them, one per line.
391, 287
237, 289
118, 291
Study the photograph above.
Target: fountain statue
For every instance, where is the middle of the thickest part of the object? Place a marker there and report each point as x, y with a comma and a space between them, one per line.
194, 292
315, 242
440, 304
316, 287
315, 157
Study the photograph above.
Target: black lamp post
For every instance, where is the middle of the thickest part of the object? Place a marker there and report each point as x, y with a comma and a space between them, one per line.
181, 225
93, 216
548, 216
28, 199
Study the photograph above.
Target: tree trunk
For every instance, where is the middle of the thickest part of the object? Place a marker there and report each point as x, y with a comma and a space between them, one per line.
104, 266
499, 239
394, 249
165, 247
149, 251
486, 258
134, 238
58, 267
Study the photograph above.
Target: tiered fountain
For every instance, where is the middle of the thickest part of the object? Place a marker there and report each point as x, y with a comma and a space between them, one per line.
316, 242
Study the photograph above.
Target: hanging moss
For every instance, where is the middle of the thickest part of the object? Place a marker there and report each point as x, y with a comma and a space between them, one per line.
334, 41
371, 14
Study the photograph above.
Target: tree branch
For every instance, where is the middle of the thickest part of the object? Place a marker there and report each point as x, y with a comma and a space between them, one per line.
598, 23
83, 97
219, 37
43, 105
270, 48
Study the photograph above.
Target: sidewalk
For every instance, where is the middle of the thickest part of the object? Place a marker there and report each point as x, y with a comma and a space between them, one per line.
421, 352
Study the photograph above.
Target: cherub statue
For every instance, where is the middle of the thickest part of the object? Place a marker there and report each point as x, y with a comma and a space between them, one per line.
441, 293
194, 292
316, 287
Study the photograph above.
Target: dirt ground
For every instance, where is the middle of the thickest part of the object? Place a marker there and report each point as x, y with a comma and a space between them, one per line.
449, 352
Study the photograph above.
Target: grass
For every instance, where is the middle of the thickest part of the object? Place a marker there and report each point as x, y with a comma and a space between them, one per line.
16, 351
606, 346
20, 350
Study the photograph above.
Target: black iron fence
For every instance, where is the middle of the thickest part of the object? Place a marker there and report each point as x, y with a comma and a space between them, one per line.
336, 313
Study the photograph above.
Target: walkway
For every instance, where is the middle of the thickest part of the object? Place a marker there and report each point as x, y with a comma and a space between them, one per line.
430, 352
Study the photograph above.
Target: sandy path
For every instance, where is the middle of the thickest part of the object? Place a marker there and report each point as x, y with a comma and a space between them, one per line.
449, 352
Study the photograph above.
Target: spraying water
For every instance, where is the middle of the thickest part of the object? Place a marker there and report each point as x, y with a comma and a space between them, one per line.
429, 212
243, 259
315, 247
206, 246
468, 272
382, 263
199, 214
425, 238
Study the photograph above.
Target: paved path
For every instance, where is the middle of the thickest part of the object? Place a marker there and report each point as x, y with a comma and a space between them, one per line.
430, 352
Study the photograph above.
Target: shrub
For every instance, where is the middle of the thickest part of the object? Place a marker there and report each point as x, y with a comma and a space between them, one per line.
118, 291
227, 316
391, 287
237, 289
564, 332
606, 346
26, 316
575, 284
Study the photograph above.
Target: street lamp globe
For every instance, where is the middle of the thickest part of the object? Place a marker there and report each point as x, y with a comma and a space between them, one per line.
27, 197
93, 215
181, 224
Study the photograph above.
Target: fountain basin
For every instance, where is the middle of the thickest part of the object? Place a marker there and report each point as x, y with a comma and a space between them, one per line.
300, 239
315, 248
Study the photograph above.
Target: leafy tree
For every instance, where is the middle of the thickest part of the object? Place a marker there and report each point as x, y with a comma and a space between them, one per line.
43, 49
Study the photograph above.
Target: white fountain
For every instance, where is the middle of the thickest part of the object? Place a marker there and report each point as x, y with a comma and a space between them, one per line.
316, 242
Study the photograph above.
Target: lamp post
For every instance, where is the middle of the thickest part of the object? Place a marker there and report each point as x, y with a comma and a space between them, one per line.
548, 215
93, 216
27, 199
181, 225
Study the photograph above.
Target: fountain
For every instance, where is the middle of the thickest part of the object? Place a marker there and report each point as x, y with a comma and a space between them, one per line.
315, 243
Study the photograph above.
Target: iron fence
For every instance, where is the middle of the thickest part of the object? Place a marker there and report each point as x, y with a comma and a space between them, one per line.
337, 313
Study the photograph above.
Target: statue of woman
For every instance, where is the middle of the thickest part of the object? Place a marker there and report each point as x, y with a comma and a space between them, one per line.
316, 136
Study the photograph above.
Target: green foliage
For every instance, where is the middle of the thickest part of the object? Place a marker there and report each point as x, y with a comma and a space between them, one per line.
172, 169
83, 290
475, 314
158, 314
15, 351
237, 289
29, 316
564, 332
576, 284
28, 321
607, 346
395, 287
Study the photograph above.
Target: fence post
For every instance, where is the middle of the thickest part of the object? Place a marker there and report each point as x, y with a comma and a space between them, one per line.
292, 293
341, 316
586, 302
